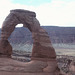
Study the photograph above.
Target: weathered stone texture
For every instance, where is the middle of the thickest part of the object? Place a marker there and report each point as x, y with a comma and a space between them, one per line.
5, 48
43, 54
42, 47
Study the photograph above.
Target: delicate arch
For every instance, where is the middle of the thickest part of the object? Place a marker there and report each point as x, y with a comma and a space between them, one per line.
42, 47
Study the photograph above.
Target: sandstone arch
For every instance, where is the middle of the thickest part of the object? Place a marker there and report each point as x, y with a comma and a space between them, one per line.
42, 48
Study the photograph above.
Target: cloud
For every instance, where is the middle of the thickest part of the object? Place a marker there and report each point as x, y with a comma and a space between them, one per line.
59, 13
5, 6
56, 12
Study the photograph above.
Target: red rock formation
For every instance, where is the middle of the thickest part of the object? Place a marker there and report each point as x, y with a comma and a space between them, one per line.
43, 54
72, 67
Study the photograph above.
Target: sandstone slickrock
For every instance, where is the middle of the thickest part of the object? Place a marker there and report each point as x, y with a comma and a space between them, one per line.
43, 54
72, 67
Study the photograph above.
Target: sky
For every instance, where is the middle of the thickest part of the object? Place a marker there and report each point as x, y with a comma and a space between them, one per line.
49, 12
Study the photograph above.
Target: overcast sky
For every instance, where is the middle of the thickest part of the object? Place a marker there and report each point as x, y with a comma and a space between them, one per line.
49, 12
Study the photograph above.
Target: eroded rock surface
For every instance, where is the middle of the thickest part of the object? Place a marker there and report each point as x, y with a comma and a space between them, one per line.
43, 54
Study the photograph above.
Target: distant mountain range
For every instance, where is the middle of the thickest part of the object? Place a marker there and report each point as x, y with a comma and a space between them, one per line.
57, 35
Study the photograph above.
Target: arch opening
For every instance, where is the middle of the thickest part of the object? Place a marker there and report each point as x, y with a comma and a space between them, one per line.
22, 43
19, 25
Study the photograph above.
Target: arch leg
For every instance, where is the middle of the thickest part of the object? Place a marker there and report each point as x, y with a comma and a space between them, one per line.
7, 28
